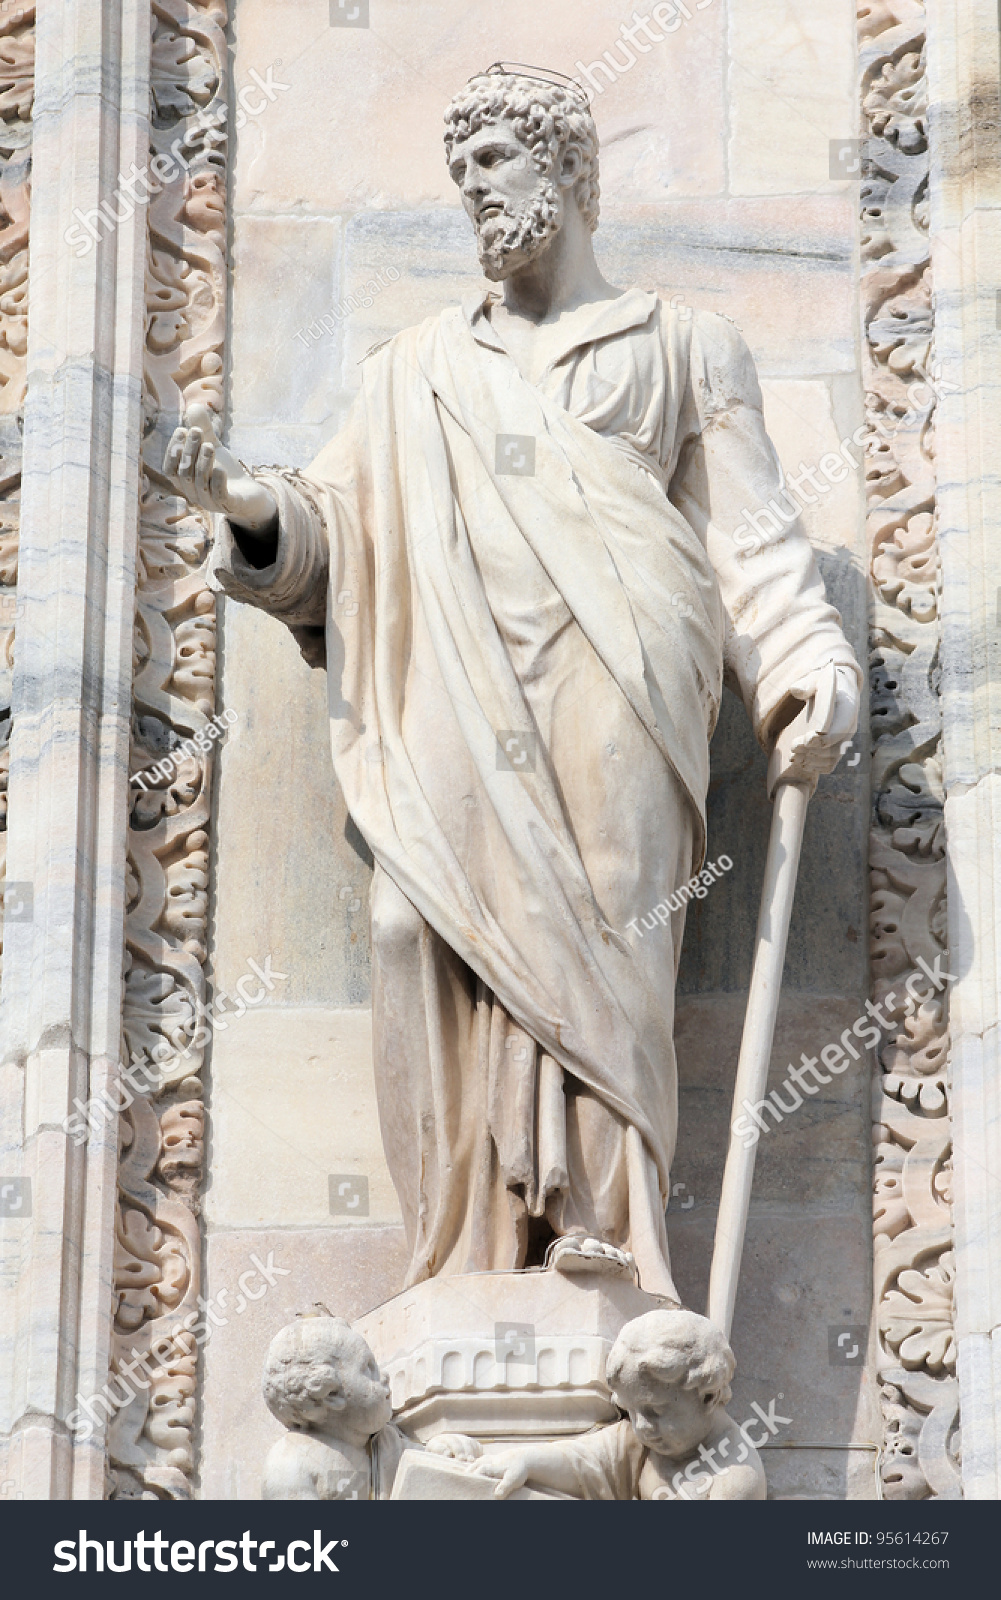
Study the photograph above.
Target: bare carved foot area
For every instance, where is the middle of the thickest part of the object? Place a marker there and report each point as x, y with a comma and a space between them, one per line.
576, 1253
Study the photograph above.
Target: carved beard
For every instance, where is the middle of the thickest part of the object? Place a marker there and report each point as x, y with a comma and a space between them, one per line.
519, 234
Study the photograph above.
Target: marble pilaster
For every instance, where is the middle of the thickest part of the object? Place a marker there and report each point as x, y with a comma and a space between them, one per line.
965, 222
62, 984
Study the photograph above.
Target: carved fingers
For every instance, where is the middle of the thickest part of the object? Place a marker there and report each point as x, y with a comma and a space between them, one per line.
205, 465
457, 1446
830, 728
814, 744
190, 460
209, 476
510, 1466
173, 453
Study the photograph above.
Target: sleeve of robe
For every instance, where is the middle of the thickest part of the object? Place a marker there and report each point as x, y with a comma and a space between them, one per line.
780, 628
607, 1462
287, 574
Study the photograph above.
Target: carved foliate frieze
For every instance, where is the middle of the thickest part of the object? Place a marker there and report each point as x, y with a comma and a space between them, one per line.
914, 1272
17, 93
158, 1257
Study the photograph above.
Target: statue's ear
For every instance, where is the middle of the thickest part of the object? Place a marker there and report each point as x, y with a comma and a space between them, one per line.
571, 169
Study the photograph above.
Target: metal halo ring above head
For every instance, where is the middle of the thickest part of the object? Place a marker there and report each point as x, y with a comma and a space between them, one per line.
556, 80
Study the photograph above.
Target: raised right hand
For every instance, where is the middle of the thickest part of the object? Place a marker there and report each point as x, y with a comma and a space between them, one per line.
208, 475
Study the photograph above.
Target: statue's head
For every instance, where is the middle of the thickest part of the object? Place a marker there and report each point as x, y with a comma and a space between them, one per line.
521, 150
319, 1374
670, 1370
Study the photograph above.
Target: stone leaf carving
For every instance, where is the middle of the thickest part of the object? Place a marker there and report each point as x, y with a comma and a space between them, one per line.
17, 69
156, 1293
915, 1319
17, 93
914, 1273
895, 184
921, 1448
158, 1271
150, 1276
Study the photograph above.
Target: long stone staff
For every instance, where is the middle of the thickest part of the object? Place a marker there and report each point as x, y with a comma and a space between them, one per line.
792, 794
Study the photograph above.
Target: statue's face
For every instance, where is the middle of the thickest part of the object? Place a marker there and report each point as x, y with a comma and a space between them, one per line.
364, 1389
666, 1418
347, 1390
516, 210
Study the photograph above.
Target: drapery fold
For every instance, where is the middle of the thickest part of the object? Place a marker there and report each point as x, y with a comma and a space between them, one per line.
525, 649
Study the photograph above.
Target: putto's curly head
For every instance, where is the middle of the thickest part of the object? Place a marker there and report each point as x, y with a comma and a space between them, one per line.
678, 1348
547, 118
303, 1369
319, 1373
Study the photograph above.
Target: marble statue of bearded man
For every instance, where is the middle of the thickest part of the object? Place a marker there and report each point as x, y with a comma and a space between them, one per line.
526, 506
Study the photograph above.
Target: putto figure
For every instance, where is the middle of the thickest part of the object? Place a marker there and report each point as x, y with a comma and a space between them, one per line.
670, 1373
526, 507
323, 1384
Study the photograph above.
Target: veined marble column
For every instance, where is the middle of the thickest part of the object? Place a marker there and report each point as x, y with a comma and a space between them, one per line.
965, 188
61, 1014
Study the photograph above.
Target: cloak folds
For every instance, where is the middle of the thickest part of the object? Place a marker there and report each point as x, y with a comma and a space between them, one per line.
522, 690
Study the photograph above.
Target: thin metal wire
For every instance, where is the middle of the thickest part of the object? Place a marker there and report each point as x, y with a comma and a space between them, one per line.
556, 80
877, 1460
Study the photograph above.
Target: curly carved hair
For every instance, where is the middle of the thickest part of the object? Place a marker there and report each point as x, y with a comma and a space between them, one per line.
548, 119
302, 1368
674, 1347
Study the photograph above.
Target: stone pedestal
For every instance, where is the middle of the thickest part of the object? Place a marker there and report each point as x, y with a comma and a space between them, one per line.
502, 1355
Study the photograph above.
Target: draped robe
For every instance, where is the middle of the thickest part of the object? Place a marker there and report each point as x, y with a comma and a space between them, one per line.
525, 660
